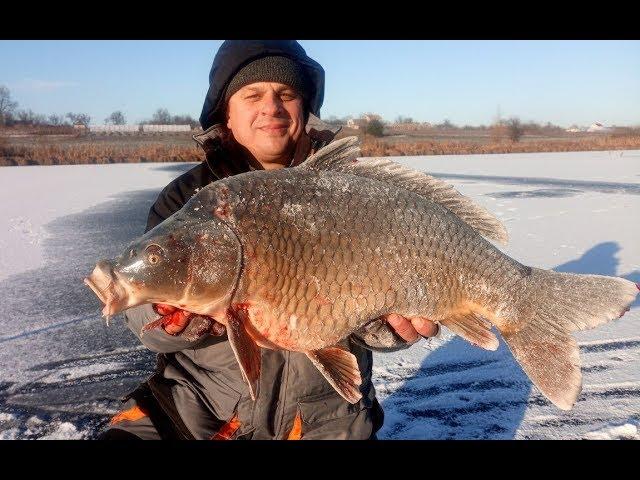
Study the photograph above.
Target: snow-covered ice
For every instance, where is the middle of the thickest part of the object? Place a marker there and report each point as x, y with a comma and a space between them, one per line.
62, 370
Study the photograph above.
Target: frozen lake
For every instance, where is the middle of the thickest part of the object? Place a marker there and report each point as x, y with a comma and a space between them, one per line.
62, 370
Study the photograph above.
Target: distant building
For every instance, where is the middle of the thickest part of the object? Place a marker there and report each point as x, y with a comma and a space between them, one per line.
114, 128
132, 129
598, 127
368, 117
409, 126
357, 123
165, 128
363, 121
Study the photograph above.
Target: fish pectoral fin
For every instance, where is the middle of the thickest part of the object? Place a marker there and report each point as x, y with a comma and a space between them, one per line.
247, 352
473, 328
341, 370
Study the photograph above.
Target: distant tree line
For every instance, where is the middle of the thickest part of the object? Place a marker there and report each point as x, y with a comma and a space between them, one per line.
162, 117
514, 123
512, 128
10, 115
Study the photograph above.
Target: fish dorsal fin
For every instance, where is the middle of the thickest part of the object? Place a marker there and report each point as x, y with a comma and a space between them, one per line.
342, 156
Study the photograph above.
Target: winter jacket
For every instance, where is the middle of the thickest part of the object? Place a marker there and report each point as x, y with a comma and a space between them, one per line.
198, 384
198, 391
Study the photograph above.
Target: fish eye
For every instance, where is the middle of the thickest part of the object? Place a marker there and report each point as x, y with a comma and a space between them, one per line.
154, 254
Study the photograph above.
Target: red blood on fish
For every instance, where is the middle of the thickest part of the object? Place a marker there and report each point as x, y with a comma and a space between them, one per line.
176, 318
170, 316
222, 211
163, 309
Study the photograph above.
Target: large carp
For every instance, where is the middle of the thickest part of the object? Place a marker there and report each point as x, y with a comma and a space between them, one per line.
299, 258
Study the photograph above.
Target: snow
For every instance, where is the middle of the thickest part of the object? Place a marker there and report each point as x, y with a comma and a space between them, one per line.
62, 371
628, 431
63, 431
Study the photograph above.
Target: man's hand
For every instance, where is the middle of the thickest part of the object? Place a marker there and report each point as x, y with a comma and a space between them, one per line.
411, 329
176, 320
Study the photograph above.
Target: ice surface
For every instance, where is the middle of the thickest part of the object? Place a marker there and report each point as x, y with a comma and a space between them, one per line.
62, 370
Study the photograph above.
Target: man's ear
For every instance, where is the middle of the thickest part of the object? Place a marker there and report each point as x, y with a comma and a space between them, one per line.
227, 118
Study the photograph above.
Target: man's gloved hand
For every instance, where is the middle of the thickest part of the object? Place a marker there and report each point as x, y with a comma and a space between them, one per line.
176, 320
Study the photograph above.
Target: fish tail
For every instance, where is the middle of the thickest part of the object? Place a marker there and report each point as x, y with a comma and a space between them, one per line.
552, 306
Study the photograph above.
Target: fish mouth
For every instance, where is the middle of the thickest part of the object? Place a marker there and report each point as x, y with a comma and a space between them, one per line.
105, 284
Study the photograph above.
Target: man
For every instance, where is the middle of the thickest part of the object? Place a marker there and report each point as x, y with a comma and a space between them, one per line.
261, 112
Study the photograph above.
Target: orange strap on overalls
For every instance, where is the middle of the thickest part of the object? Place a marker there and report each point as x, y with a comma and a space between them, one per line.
132, 414
296, 431
228, 429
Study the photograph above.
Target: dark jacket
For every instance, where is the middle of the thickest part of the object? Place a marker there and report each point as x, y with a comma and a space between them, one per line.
198, 383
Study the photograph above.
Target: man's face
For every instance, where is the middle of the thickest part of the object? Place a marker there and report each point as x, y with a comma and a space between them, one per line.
267, 118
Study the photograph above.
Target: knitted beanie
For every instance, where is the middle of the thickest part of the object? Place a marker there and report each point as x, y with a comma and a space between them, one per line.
271, 69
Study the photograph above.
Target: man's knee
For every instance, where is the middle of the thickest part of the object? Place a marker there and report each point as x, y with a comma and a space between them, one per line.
131, 423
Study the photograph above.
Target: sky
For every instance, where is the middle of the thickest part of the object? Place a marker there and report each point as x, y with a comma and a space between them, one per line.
466, 82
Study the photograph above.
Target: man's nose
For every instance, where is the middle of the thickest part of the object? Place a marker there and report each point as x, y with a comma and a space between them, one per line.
272, 104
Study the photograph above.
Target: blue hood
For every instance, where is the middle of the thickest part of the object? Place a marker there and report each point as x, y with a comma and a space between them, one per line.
235, 54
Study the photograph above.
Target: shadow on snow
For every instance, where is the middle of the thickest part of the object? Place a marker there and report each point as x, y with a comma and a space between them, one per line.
461, 391
55, 329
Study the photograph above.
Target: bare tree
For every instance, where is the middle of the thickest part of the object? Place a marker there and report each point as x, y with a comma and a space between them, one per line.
116, 118
375, 127
332, 120
56, 120
28, 117
514, 129
161, 116
79, 118
446, 124
25, 116
184, 120
7, 106
403, 119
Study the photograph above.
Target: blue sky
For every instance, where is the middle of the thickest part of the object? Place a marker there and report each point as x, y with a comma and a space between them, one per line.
563, 82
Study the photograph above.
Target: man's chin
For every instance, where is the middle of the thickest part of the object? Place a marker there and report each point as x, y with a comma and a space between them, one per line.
274, 147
